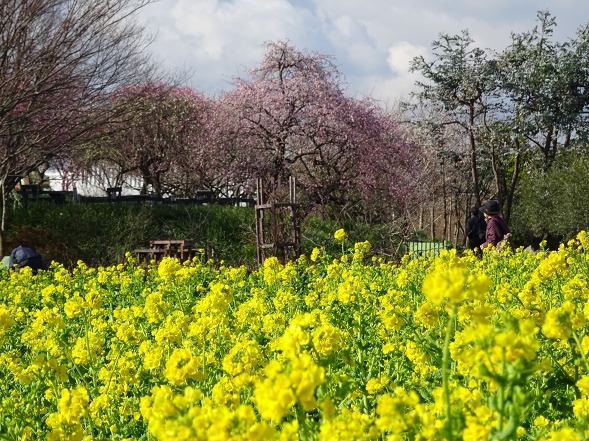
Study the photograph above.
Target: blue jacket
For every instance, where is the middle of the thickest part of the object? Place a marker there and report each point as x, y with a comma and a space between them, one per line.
25, 256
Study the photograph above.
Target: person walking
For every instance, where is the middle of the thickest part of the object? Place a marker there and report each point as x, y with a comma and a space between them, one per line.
497, 228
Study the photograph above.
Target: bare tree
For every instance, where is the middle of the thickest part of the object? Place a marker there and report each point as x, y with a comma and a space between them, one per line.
58, 61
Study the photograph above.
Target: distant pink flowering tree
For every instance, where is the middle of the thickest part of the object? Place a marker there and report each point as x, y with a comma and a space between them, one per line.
157, 130
291, 117
199, 166
393, 166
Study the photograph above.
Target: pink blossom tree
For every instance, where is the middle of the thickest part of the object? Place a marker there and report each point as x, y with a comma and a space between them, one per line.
199, 166
390, 166
291, 117
158, 129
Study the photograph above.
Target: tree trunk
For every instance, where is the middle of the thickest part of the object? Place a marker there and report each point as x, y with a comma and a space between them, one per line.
3, 220
456, 233
445, 207
473, 156
512, 185
433, 226
496, 178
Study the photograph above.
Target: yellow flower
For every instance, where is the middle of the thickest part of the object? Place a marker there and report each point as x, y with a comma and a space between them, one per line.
583, 384
583, 239
349, 425
427, 315
455, 284
6, 320
168, 267
271, 269
327, 339
74, 306
375, 385
71, 408
327, 408
305, 377
182, 365
244, 357
152, 354
474, 431
581, 407
87, 347
558, 322
340, 235
565, 434
315, 254
274, 397
294, 337
360, 249
585, 344
155, 307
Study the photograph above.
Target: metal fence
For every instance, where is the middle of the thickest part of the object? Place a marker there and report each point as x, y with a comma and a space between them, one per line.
426, 248
35, 194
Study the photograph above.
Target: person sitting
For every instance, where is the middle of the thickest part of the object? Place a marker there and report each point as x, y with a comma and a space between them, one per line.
22, 256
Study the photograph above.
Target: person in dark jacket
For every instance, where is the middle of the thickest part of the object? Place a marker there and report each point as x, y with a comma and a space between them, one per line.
475, 229
21, 257
497, 228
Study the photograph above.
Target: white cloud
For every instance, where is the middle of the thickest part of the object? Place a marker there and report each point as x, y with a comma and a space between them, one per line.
218, 39
219, 28
351, 43
372, 41
401, 55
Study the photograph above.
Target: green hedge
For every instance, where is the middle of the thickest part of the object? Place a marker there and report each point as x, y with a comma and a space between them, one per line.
101, 233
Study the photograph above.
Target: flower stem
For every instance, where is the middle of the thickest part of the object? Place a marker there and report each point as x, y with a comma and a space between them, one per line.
580, 347
446, 373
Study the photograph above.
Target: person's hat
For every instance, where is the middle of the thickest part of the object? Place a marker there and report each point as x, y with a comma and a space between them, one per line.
490, 207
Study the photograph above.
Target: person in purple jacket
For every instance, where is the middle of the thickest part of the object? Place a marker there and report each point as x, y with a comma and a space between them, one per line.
496, 226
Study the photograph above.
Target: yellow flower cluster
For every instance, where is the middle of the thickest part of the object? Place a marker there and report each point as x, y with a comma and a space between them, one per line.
340, 235
286, 385
326, 347
66, 423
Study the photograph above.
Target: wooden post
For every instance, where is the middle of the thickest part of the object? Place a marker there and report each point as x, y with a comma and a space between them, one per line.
277, 227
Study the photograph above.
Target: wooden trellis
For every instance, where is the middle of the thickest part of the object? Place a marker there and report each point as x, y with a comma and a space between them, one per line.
277, 226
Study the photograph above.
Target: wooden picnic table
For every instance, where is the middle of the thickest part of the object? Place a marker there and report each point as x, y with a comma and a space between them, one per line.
181, 249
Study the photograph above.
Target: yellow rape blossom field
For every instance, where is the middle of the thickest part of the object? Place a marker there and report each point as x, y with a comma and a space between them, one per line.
325, 348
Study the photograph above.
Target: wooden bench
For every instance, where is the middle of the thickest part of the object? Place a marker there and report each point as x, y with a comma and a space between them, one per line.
181, 249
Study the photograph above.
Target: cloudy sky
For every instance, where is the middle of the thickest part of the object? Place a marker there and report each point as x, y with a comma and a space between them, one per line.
371, 41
